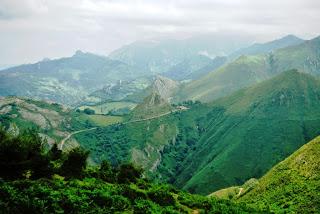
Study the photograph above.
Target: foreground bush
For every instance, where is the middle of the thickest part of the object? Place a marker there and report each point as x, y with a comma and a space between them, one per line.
34, 180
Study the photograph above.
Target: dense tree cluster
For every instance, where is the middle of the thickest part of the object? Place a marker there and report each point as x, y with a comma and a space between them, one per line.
37, 180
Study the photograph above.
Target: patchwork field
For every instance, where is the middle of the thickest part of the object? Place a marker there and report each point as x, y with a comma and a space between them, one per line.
110, 107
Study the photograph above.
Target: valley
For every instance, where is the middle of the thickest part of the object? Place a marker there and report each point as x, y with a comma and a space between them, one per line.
235, 131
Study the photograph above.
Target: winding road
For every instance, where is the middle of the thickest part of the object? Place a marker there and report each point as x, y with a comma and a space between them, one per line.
132, 121
73, 133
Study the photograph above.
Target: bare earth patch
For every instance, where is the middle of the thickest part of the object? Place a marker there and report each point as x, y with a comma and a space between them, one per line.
36, 118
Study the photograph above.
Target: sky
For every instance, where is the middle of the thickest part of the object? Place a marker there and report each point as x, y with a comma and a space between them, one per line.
31, 30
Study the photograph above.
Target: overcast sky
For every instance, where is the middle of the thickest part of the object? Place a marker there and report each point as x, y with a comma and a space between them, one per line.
33, 29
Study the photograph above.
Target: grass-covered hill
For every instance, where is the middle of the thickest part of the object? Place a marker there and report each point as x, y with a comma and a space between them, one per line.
37, 180
52, 121
293, 185
212, 146
145, 141
248, 132
250, 69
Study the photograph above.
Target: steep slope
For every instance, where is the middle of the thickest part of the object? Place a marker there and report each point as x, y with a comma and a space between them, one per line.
267, 47
248, 70
293, 185
66, 80
251, 130
245, 71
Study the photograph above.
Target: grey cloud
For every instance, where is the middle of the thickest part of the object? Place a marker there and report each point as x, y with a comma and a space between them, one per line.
12, 9
33, 29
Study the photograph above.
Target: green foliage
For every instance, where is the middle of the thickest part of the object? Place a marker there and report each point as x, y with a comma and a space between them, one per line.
205, 148
90, 193
23, 156
292, 186
107, 172
55, 153
162, 196
88, 111
235, 144
128, 173
75, 163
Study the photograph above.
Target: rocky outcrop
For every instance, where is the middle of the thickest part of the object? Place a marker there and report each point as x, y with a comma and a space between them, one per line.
165, 87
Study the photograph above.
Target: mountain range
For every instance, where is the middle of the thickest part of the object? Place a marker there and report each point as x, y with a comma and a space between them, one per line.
67, 80
251, 130
206, 147
207, 115
249, 69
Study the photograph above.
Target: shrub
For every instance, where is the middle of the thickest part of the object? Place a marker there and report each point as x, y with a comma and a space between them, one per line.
23, 156
162, 196
129, 173
75, 163
146, 206
88, 111
107, 172
120, 203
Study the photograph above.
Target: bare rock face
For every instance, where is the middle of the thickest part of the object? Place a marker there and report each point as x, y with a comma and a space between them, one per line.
165, 87
154, 100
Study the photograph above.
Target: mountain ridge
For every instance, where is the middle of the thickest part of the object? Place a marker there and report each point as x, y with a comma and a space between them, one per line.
248, 70
247, 119
292, 185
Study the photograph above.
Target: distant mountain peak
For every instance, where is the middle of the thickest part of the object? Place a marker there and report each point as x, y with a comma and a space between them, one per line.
46, 59
291, 36
78, 53
287, 38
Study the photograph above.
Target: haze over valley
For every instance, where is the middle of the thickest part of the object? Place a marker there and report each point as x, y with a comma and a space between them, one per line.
159, 107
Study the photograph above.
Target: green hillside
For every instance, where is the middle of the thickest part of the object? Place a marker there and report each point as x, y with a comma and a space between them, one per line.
35, 180
52, 121
212, 146
293, 185
244, 71
248, 70
147, 142
251, 130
